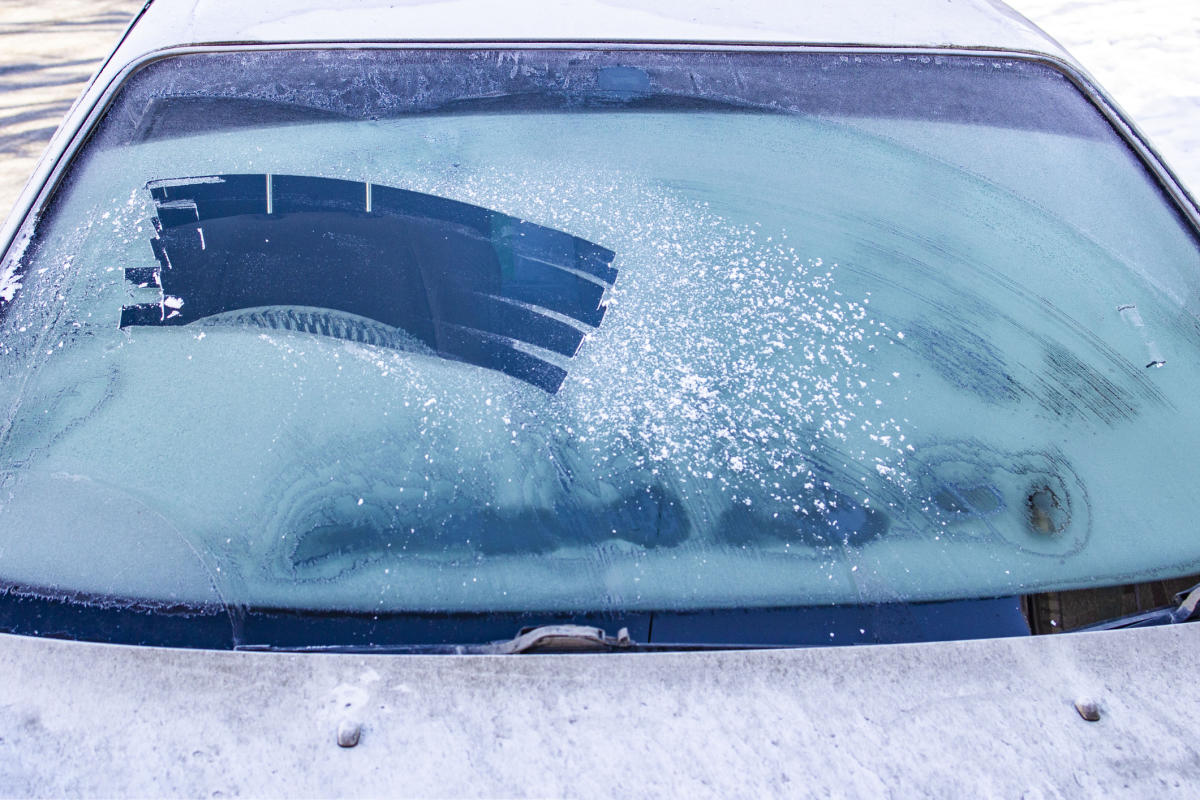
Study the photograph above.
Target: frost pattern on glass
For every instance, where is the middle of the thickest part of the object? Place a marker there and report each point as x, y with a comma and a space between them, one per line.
846, 361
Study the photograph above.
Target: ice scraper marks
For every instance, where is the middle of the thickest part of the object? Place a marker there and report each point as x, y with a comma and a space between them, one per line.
1071, 388
472, 284
1065, 385
966, 360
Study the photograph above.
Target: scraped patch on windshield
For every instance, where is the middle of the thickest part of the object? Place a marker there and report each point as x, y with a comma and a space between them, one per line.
469, 283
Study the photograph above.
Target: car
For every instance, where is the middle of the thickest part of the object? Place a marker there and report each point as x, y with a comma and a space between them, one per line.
591, 398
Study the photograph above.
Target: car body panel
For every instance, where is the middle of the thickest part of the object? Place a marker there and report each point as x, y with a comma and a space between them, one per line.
972, 23
990, 718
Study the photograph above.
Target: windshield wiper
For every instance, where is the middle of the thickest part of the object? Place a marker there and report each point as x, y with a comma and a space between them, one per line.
562, 639
540, 639
1170, 615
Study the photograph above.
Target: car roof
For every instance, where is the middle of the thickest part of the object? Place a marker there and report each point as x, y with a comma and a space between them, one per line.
984, 24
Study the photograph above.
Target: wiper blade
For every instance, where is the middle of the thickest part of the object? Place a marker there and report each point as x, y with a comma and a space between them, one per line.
1170, 615
540, 639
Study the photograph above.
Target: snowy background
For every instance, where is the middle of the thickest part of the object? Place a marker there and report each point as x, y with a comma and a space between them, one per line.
1142, 51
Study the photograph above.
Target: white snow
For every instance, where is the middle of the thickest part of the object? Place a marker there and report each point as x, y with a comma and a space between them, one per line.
1144, 53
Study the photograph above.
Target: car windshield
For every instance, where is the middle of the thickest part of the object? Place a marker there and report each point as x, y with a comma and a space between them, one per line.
401, 334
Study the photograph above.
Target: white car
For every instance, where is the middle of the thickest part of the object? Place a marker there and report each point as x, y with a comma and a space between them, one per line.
598, 398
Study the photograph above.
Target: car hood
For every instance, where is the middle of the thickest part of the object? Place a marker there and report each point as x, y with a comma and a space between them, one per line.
993, 717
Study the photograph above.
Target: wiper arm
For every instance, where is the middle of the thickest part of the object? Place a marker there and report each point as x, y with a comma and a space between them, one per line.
1170, 615
562, 639
540, 639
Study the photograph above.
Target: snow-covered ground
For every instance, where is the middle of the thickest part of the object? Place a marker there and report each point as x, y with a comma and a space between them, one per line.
48, 50
1142, 51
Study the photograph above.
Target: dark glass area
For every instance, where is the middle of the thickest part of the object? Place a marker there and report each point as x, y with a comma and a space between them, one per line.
467, 282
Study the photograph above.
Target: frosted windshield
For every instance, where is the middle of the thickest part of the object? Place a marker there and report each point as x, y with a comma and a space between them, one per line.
835, 330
